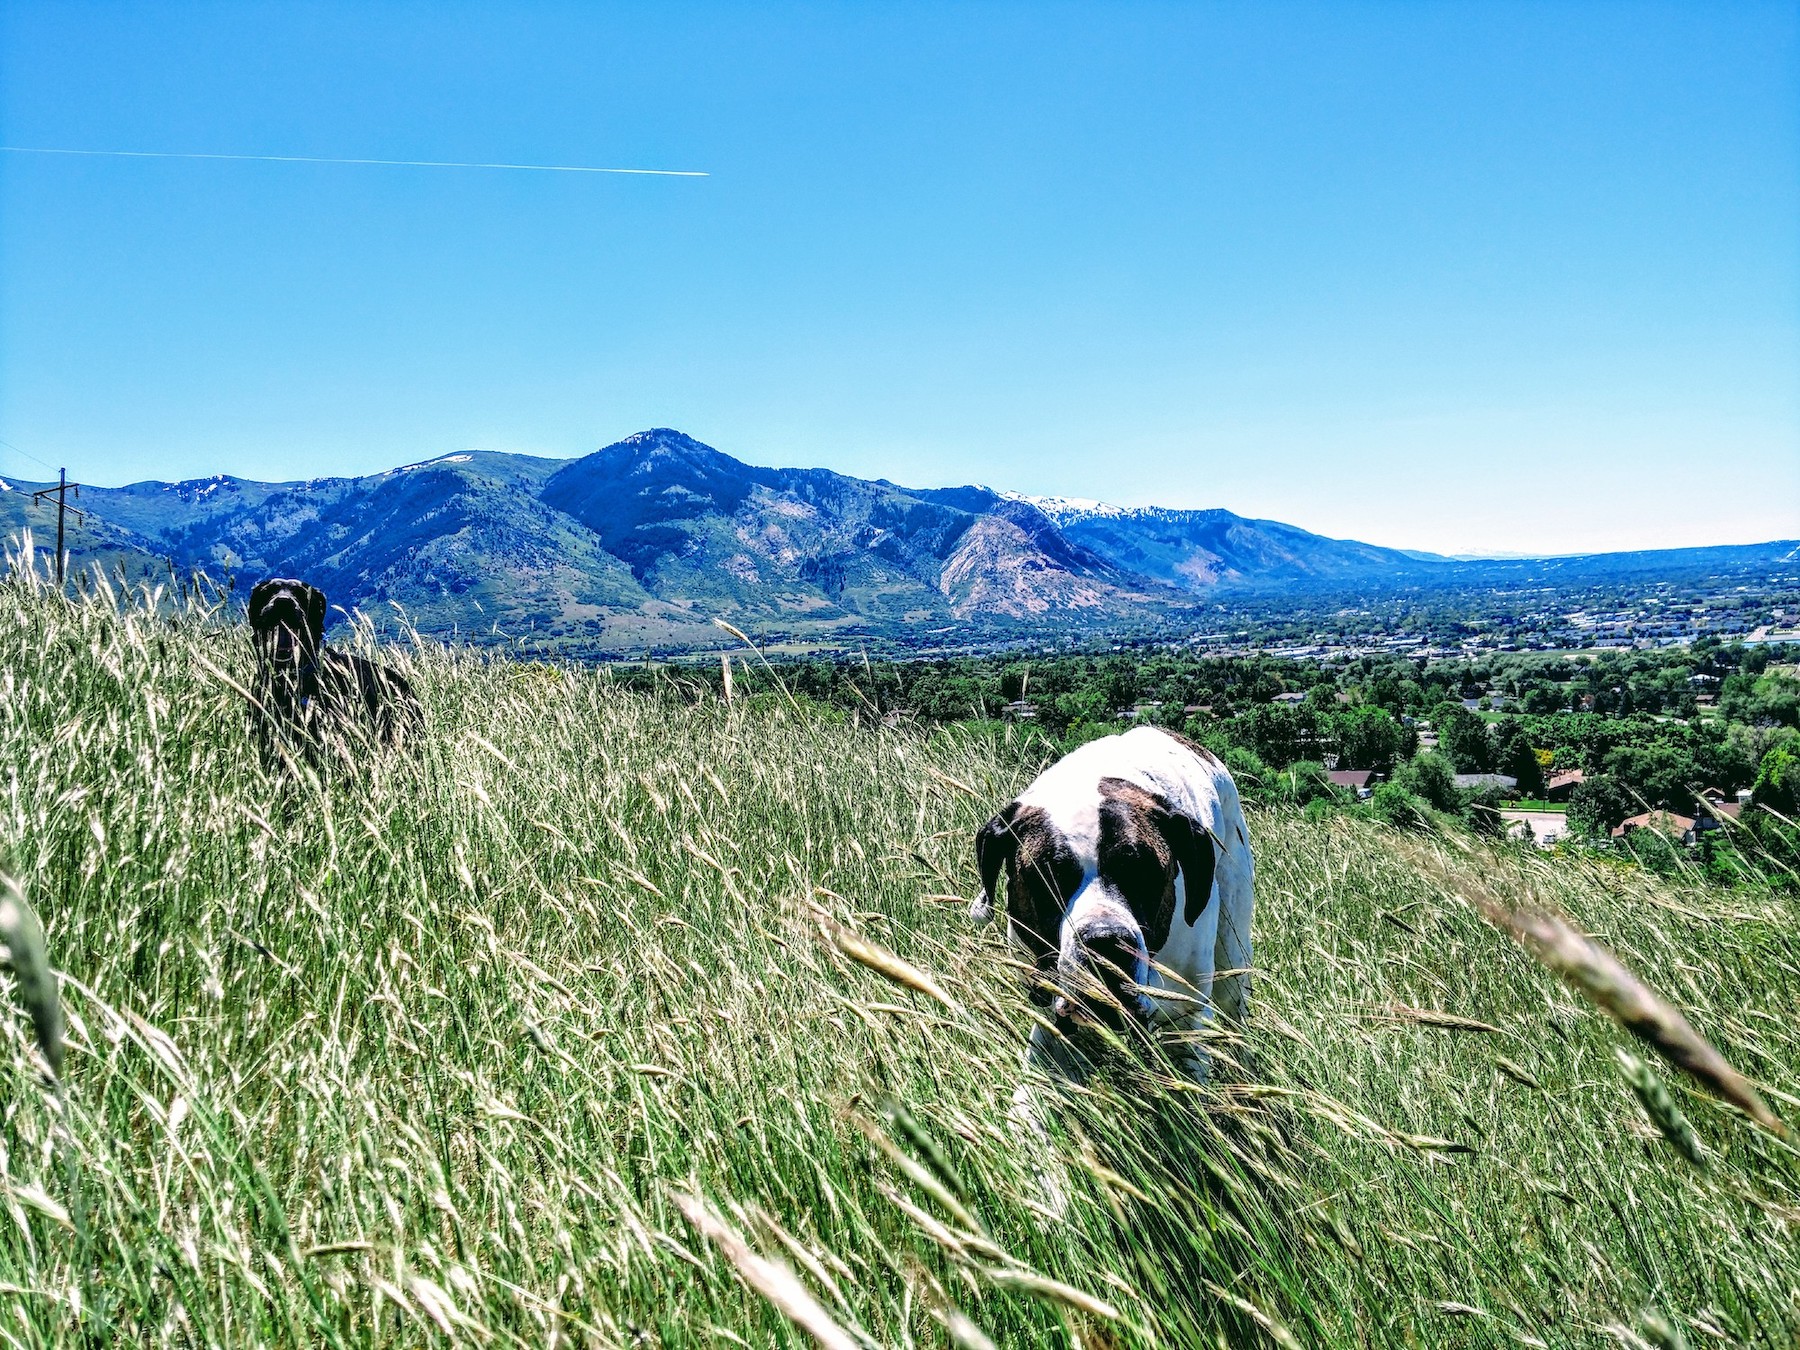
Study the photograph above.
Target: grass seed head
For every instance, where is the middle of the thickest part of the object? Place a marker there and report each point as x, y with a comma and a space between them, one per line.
880, 960
1053, 1291
963, 1332
1663, 1332
925, 1179
1659, 1105
779, 1285
1604, 980
22, 947
1518, 1073
1601, 976
904, 1123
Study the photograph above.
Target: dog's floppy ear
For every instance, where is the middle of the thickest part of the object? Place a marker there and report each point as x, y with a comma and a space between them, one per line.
995, 846
1196, 853
259, 599
315, 614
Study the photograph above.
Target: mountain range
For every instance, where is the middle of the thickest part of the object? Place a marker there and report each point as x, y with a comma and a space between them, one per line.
640, 545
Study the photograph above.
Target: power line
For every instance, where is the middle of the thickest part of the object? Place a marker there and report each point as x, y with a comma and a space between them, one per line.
28, 455
322, 159
61, 492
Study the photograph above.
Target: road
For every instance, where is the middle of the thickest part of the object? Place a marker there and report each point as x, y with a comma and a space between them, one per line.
1546, 826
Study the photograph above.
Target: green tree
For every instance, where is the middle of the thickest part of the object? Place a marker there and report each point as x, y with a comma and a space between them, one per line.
1430, 777
1518, 759
1086, 704
1305, 782
1483, 817
1384, 691
1277, 732
1744, 748
1367, 738
1397, 806
1464, 738
1663, 774
1543, 698
1601, 803
1247, 767
1778, 780
1775, 699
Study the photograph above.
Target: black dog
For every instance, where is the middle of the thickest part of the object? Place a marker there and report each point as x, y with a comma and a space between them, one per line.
308, 691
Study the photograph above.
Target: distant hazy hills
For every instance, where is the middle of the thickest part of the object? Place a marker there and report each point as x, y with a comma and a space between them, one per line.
643, 543
1197, 550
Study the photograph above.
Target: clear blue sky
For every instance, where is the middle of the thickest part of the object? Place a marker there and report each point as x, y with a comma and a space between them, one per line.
1453, 276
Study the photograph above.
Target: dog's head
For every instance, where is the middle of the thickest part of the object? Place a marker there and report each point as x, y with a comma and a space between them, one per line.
1091, 886
287, 618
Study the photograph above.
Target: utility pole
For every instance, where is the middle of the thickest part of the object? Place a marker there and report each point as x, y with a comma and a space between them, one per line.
61, 492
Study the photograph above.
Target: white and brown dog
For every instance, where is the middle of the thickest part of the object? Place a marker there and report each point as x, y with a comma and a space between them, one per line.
1129, 886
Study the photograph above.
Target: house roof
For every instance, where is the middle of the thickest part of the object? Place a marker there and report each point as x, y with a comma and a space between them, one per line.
1666, 821
1715, 803
1486, 780
1350, 778
1567, 778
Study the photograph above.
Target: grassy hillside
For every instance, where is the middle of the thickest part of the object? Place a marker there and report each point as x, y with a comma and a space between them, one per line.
451, 1045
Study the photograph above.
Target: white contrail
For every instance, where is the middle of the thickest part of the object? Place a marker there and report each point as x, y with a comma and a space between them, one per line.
319, 159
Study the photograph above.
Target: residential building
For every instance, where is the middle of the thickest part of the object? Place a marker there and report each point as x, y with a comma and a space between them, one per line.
1562, 784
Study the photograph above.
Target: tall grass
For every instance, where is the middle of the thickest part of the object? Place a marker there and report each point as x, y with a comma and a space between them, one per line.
588, 1021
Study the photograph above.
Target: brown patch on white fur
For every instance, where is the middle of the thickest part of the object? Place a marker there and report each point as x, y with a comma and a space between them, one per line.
1042, 874
1144, 846
1135, 855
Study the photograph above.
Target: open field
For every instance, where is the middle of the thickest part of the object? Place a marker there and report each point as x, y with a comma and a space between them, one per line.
517, 1038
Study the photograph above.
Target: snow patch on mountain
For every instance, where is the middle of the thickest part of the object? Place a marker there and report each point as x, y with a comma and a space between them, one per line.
198, 489
1066, 510
429, 463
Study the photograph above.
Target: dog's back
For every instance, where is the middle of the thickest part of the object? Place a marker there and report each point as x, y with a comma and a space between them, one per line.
379, 694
